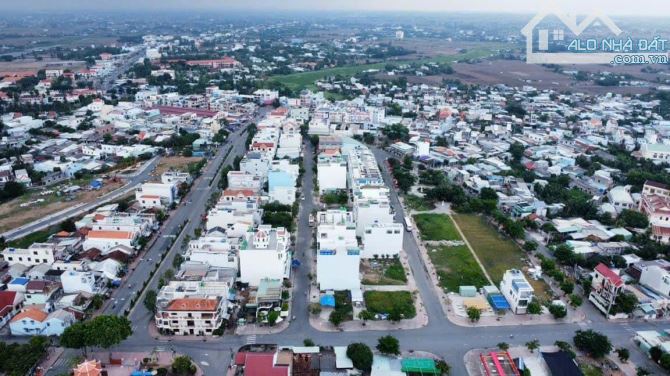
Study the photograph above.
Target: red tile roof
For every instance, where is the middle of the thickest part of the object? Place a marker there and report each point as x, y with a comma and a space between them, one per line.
260, 364
6, 302
192, 304
31, 313
609, 274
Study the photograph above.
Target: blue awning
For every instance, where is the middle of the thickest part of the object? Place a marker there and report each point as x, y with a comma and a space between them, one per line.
328, 300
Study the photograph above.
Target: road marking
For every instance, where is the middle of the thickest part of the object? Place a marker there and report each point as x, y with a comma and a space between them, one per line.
251, 340
204, 363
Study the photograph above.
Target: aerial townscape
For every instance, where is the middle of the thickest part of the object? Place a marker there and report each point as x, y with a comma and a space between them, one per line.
269, 189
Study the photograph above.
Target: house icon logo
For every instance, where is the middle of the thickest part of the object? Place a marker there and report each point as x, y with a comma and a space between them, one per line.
539, 40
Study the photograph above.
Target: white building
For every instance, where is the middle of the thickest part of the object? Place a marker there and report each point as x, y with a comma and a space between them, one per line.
331, 173
656, 278
37, 253
77, 281
191, 316
34, 322
216, 251
104, 240
621, 198
242, 180
382, 240
371, 211
655, 152
338, 268
156, 195
176, 177
264, 253
516, 290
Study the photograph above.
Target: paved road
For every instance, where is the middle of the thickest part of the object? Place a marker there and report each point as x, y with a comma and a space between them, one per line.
58, 217
440, 336
106, 82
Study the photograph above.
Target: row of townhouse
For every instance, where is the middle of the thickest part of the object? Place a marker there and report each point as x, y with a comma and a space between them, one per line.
237, 246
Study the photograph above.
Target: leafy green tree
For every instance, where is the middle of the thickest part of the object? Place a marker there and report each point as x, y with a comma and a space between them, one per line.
360, 355
655, 353
575, 300
517, 149
68, 225
150, 300
533, 345
336, 317
396, 132
665, 361
474, 314
530, 246
568, 287
388, 345
625, 303
182, 365
593, 343
504, 346
443, 367
76, 336
623, 354
106, 331
633, 218
308, 342
565, 346
272, 317
558, 311
534, 307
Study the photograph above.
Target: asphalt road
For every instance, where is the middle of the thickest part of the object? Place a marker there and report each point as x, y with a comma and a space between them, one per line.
58, 217
106, 82
440, 336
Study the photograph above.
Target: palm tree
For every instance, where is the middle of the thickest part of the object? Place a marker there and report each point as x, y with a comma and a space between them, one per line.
533, 345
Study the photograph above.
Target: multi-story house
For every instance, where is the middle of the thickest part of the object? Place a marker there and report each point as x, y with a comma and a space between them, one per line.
156, 195
264, 253
37, 253
605, 287
516, 290
382, 240
191, 316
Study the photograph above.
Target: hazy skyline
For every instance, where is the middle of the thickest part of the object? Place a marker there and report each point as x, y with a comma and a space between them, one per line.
633, 8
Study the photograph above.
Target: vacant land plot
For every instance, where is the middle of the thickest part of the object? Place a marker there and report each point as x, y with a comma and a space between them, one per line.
383, 272
418, 203
32, 65
13, 215
456, 267
173, 163
298, 81
386, 302
436, 227
497, 253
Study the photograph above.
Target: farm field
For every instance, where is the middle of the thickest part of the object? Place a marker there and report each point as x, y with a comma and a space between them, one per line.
436, 227
298, 81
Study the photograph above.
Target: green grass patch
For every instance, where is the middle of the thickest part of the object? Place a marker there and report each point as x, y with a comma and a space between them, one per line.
343, 304
456, 267
417, 203
496, 252
389, 301
305, 80
396, 271
34, 237
436, 227
590, 370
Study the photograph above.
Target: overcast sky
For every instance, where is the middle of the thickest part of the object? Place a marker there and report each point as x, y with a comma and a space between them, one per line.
610, 7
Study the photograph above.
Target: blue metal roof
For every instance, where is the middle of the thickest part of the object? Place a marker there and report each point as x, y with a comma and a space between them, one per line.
498, 302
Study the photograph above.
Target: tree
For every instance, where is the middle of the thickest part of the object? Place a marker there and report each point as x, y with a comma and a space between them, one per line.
530, 246
488, 194
655, 353
593, 343
534, 307
336, 317
68, 225
106, 331
360, 355
366, 315
665, 361
308, 342
150, 300
443, 367
624, 303
517, 149
564, 346
575, 300
272, 317
388, 345
396, 132
558, 311
567, 287
474, 314
76, 336
504, 346
623, 354
639, 371
632, 218
182, 365
533, 345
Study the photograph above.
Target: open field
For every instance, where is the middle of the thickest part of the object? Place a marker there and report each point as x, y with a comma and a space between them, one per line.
34, 65
383, 272
436, 227
385, 302
173, 163
298, 81
418, 203
12, 215
456, 267
496, 253
518, 73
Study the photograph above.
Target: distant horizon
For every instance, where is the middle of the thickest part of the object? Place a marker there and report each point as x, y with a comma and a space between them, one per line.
640, 8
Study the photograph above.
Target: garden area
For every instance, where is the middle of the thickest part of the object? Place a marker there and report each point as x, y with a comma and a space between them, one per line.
383, 272
436, 227
396, 304
456, 267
